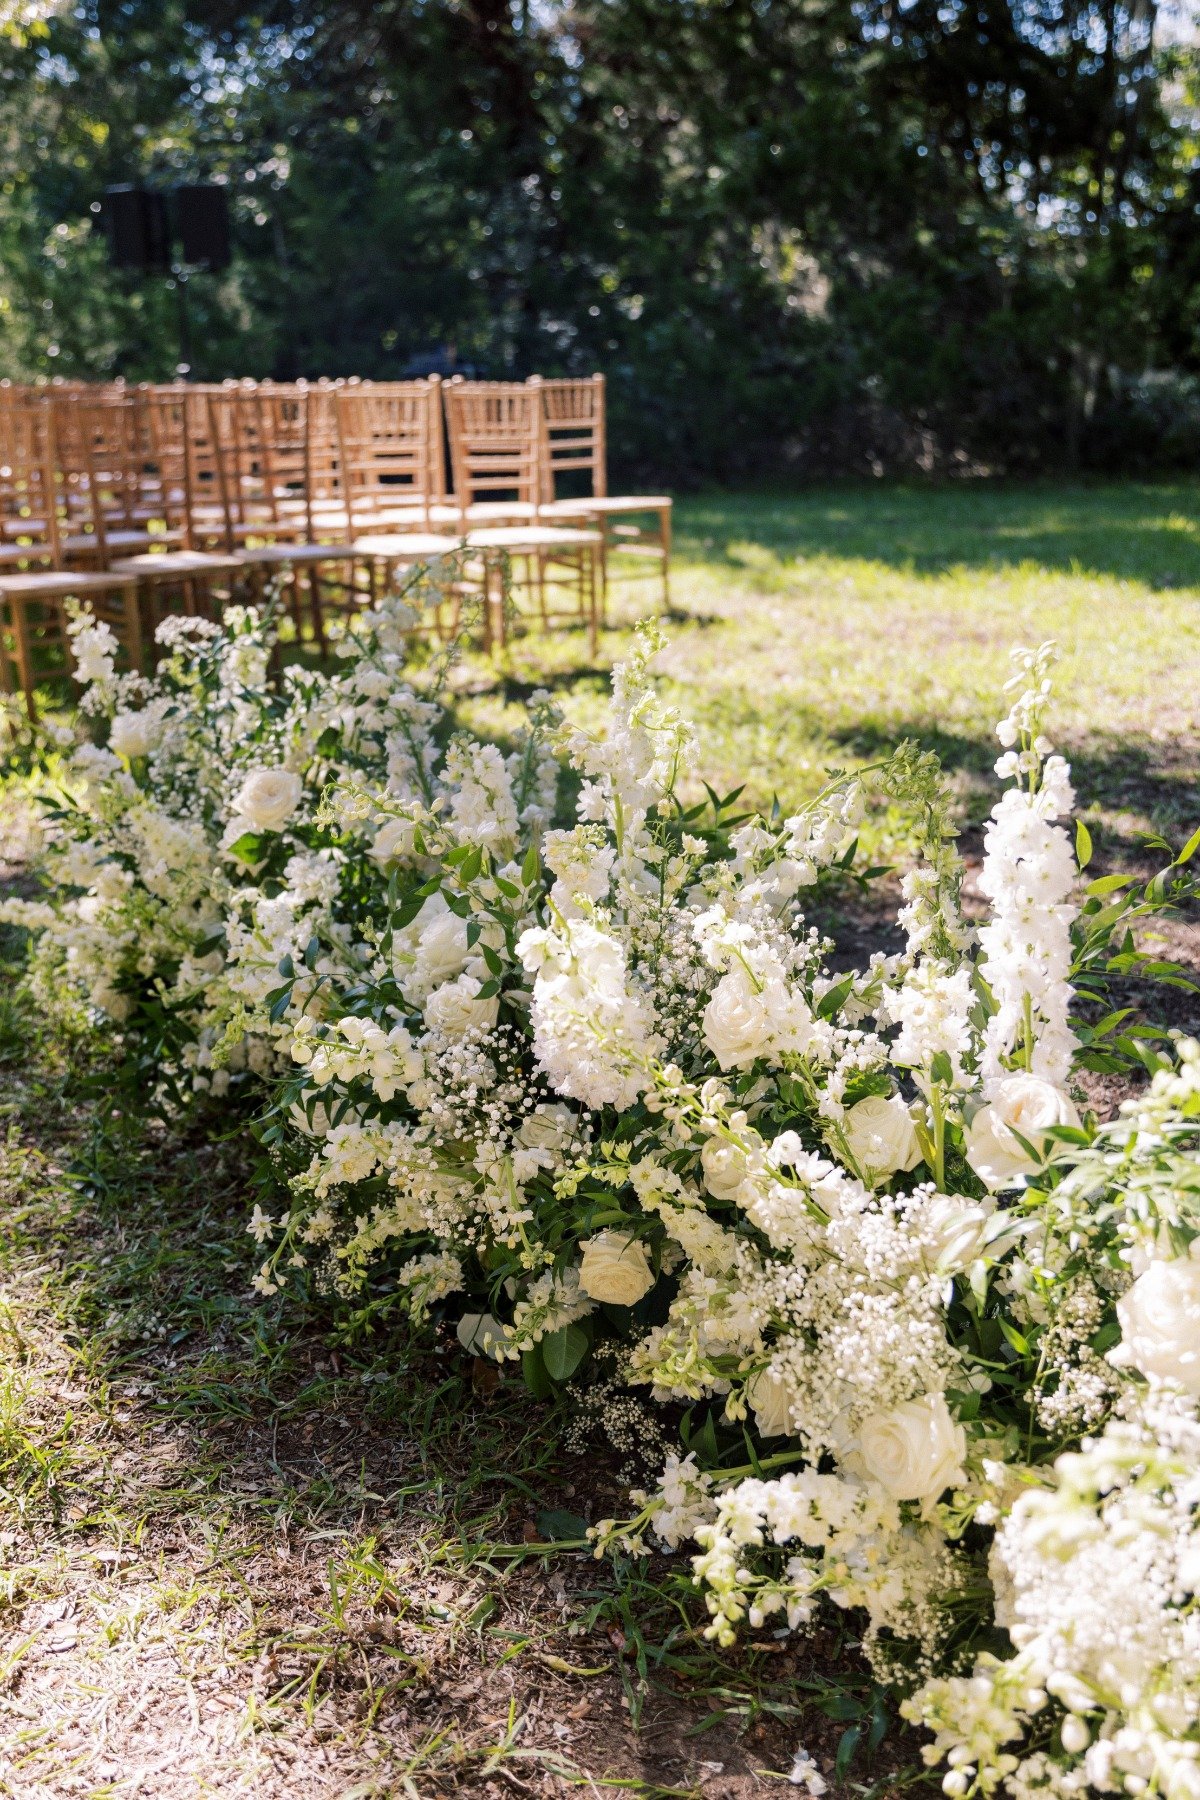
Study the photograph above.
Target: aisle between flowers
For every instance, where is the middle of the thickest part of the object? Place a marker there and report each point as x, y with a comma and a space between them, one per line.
916, 1335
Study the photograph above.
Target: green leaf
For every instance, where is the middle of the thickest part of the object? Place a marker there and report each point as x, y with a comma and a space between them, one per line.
556, 1526
247, 848
832, 1001
563, 1351
1189, 849
529, 868
533, 1370
1108, 884
1083, 844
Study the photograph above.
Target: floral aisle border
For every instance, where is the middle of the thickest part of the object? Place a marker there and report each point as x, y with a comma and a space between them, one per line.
598, 1095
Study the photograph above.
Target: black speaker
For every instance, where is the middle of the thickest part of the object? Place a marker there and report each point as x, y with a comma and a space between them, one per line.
202, 220
138, 234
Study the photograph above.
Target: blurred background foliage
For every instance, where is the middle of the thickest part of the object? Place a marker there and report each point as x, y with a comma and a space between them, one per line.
820, 235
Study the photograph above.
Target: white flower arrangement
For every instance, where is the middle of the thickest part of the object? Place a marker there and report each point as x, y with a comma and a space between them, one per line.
566, 1089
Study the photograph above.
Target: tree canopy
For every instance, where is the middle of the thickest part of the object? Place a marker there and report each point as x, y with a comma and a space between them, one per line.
829, 234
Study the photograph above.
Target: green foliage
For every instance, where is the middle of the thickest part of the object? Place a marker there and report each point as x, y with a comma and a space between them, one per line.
835, 234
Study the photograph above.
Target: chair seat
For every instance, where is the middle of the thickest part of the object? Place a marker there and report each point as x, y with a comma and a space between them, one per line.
270, 554
530, 537
177, 564
119, 540
400, 544
54, 582
595, 504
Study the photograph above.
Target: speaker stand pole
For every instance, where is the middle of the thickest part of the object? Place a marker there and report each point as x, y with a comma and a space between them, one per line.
184, 365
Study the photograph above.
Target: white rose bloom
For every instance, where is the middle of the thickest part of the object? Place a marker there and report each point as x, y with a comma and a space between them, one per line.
547, 1127
442, 950
916, 1451
736, 1027
725, 1168
134, 733
881, 1136
1016, 1103
768, 1398
952, 1232
482, 1335
393, 840
458, 1007
268, 798
615, 1269
1160, 1322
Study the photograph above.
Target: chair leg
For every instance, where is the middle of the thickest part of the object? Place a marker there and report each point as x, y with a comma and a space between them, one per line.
602, 573
24, 657
588, 563
131, 606
317, 612
664, 532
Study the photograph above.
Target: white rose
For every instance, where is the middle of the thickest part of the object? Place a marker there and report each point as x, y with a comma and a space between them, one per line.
952, 1232
458, 1007
736, 1028
134, 733
1160, 1322
393, 840
108, 1000
547, 1127
916, 1451
768, 1397
482, 1335
442, 950
881, 1136
725, 1168
268, 798
1016, 1103
615, 1269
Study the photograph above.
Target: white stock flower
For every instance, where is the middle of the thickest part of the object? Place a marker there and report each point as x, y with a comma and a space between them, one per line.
915, 1451
1160, 1322
1019, 1103
881, 1136
268, 798
615, 1269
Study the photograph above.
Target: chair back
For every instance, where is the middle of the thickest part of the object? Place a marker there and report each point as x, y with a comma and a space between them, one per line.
574, 435
496, 438
30, 490
387, 452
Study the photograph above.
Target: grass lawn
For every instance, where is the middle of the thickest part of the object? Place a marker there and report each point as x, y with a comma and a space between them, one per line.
241, 1556
818, 627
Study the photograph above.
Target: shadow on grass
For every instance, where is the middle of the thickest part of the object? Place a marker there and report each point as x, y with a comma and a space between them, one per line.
1141, 532
1118, 774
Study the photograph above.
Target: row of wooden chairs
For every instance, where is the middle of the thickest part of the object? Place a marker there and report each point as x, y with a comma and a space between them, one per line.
143, 499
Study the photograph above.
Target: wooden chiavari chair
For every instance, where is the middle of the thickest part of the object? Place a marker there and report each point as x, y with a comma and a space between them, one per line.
574, 443
33, 633
496, 447
391, 465
301, 537
115, 478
